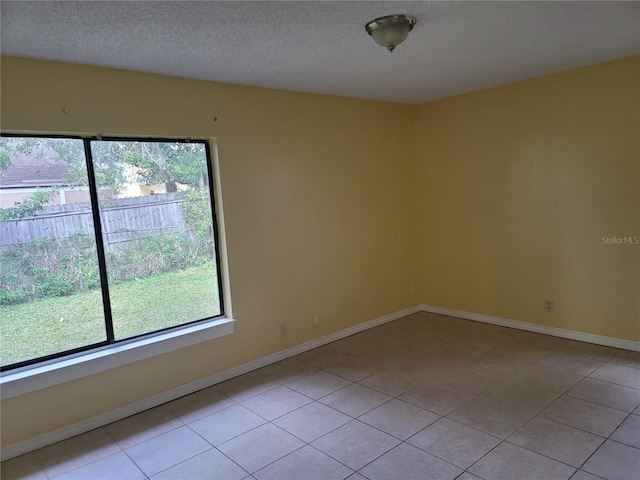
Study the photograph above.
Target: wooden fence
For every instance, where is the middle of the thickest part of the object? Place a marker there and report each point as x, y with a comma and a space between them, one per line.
122, 219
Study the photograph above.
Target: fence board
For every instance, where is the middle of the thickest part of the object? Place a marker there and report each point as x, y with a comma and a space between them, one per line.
122, 219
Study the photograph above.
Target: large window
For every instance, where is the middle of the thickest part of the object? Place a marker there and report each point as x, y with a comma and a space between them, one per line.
102, 240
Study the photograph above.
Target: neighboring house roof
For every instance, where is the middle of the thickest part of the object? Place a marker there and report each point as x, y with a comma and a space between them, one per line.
29, 171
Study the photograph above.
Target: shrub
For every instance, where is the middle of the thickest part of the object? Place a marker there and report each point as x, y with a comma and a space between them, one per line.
58, 267
13, 297
194, 205
144, 256
47, 268
54, 286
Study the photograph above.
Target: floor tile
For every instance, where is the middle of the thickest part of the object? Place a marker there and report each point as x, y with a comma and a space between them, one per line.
627, 358
276, 402
355, 400
557, 441
408, 462
501, 365
629, 432
322, 357
312, 421
25, 467
454, 442
318, 384
355, 444
469, 379
306, 463
210, 465
508, 461
478, 343
167, 450
586, 416
358, 345
468, 476
607, 394
118, 466
375, 357
286, 371
260, 447
439, 399
431, 366
399, 418
246, 386
198, 404
519, 353
142, 426
545, 378
615, 461
391, 383
498, 422
404, 360
451, 355
580, 475
226, 424
517, 396
538, 340
589, 350
356, 476
353, 369
618, 374
569, 363
76, 452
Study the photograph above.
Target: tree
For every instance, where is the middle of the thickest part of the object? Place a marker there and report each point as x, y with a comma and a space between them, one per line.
5, 159
38, 199
114, 163
155, 162
27, 207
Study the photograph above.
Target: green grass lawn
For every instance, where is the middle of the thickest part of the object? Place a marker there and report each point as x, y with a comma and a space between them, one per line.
51, 325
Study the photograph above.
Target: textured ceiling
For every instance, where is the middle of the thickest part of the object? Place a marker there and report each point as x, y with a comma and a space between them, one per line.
322, 47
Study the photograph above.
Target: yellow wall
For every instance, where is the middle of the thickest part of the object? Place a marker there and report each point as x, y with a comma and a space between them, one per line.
493, 201
319, 207
518, 184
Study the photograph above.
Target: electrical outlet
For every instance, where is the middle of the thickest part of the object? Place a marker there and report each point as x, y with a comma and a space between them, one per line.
412, 287
283, 328
548, 306
316, 320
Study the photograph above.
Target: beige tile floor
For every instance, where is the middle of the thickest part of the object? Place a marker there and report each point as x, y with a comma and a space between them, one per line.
424, 397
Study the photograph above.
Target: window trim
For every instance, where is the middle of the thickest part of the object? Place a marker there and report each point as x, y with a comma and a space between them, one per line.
72, 367
70, 364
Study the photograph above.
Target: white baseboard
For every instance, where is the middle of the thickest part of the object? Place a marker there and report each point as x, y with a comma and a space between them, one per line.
83, 426
532, 327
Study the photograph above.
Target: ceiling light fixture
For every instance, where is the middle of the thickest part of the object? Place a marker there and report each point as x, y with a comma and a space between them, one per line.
390, 31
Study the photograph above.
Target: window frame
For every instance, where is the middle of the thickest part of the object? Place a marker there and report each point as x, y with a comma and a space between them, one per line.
167, 335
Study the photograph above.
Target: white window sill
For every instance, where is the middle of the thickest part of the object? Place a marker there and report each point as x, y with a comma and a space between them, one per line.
36, 377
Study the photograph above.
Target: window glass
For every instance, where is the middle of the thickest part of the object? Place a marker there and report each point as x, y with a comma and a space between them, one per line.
50, 298
157, 229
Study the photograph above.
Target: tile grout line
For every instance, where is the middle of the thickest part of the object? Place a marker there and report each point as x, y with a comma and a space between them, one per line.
125, 452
